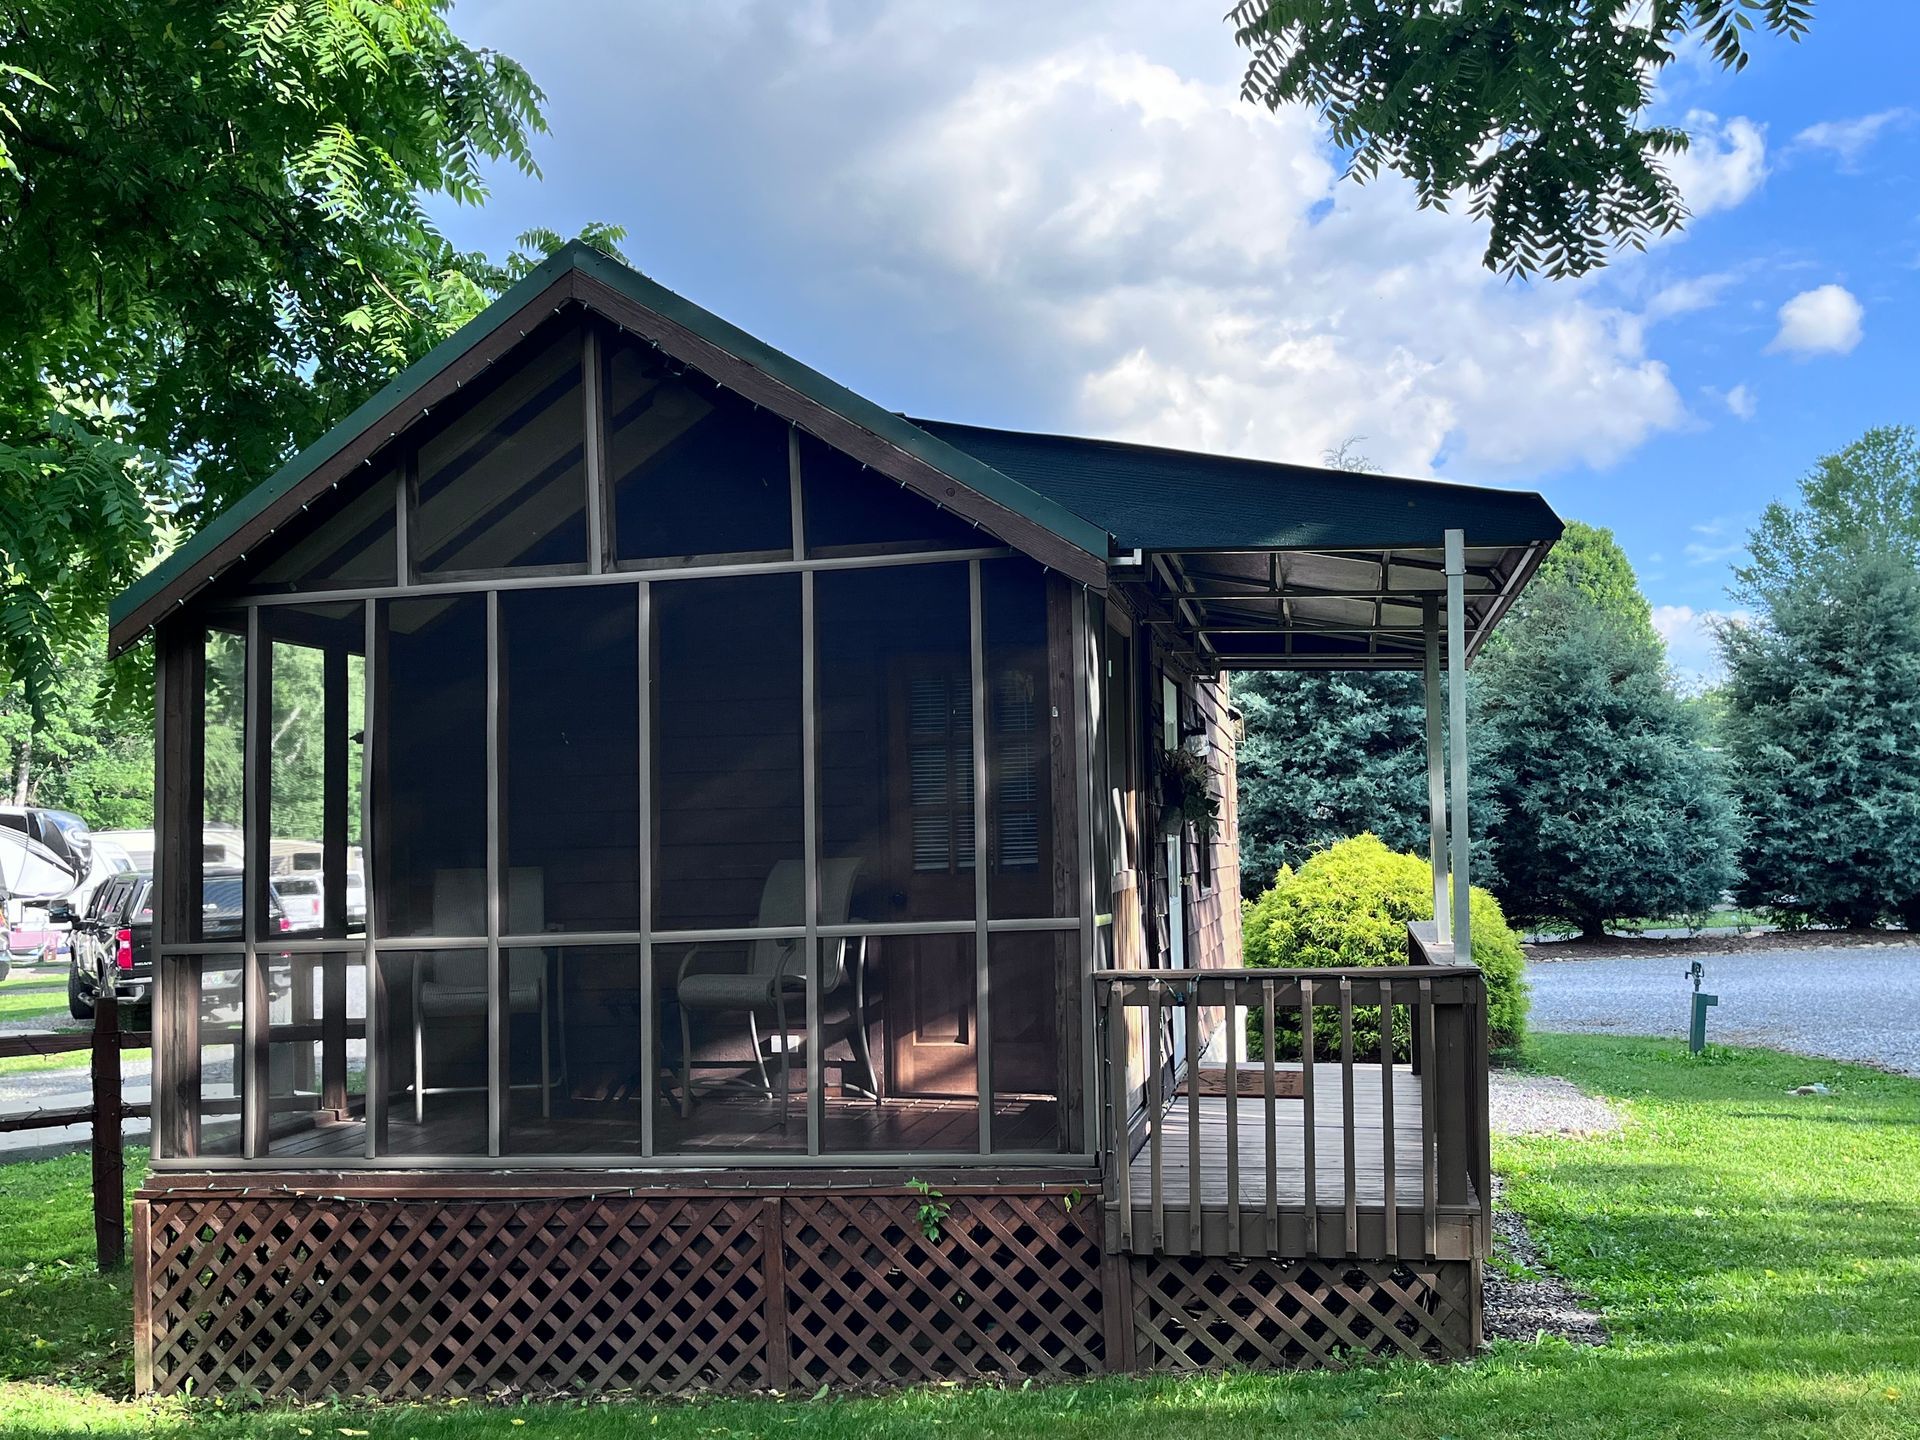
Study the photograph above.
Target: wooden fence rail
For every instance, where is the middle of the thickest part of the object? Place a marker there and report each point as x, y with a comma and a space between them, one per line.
1378, 1148
106, 1112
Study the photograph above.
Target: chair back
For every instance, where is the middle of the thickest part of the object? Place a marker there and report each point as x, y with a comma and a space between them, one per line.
460, 908
783, 902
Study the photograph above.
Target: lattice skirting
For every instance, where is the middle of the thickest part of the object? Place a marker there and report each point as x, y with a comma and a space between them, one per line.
1203, 1313
309, 1295
283, 1295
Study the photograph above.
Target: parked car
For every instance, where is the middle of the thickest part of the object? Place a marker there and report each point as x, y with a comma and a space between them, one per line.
114, 937
301, 899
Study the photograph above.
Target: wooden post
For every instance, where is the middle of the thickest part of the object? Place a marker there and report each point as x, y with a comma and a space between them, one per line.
1456, 559
109, 1164
142, 1298
1436, 770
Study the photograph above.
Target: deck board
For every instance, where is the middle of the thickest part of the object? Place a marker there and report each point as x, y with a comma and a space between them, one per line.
1288, 1139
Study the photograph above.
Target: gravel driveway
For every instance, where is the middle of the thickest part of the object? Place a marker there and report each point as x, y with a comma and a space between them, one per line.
1848, 1004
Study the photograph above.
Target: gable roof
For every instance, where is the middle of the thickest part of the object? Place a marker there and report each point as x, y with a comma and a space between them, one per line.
1150, 498
878, 437
1070, 503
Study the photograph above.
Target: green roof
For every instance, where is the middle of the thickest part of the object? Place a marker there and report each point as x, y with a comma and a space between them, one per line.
198, 559
1151, 498
1081, 499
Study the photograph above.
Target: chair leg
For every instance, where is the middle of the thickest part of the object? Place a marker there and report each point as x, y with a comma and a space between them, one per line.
759, 1057
419, 1058
546, 1058
860, 1023
786, 1051
686, 1066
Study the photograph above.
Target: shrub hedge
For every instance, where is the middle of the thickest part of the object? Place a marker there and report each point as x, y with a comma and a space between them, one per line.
1349, 905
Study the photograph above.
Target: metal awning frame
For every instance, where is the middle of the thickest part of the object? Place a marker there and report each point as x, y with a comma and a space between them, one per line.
1330, 608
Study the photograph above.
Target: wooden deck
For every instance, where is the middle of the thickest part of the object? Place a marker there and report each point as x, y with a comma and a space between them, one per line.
1252, 1225
1380, 1154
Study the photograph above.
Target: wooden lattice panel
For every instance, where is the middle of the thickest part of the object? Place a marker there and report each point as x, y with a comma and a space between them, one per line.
1010, 1287
1205, 1313
281, 1295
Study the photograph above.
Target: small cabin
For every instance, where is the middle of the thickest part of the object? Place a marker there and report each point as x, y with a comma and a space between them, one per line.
769, 930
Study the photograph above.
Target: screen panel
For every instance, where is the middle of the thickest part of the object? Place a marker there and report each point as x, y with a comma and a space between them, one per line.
502, 485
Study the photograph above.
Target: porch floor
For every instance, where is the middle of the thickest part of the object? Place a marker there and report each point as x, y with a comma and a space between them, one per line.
456, 1125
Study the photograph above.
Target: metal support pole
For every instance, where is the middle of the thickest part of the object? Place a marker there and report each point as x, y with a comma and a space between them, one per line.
1436, 774
1457, 721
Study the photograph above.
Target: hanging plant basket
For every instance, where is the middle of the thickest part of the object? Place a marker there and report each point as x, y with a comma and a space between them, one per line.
1186, 794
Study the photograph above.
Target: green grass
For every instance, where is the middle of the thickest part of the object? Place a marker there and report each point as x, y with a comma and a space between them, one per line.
69, 1060
35, 999
1757, 1257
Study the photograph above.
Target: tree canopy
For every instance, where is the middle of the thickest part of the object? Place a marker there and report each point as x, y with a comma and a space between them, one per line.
1588, 559
1860, 498
214, 243
1535, 112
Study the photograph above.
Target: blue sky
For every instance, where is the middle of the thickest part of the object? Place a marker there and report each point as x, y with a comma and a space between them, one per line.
1061, 217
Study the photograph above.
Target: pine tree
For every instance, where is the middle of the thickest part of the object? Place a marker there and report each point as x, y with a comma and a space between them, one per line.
1607, 803
1823, 720
1326, 756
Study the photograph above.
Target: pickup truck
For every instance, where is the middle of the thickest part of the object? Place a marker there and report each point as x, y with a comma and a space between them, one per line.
113, 937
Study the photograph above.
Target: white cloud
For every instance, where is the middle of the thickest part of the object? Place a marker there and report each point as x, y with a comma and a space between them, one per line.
1063, 216
1213, 282
1692, 648
1723, 165
1740, 400
1848, 140
1721, 538
1823, 321
1683, 297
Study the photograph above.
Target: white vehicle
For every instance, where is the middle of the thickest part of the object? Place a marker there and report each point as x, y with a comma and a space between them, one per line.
301, 900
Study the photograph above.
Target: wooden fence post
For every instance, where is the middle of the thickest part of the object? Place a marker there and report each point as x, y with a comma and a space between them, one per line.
109, 1162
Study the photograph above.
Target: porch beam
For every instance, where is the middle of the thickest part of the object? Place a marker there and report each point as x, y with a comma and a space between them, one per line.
1457, 719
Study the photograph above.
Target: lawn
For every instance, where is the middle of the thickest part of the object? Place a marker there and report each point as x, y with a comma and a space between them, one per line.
37, 999
1757, 1257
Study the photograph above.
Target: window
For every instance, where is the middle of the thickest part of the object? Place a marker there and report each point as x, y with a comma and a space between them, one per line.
503, 485
344, 541
223, 733
316, 680
570, 737
1032, 848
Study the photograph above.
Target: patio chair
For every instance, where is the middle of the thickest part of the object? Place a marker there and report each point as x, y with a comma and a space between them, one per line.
775, 972
446, 988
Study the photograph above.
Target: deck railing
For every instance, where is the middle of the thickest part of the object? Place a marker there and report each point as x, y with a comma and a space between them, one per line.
1381, 1151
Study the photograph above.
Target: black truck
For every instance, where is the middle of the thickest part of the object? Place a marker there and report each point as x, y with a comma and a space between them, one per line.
113, 937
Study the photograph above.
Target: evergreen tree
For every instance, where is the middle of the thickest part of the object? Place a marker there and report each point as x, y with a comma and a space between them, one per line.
1327, 755
1823, 721
1607, 803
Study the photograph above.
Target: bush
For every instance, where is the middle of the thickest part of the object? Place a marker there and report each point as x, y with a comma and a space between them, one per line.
1350, 905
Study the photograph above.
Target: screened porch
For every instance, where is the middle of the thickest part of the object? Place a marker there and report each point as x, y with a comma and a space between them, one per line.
682, 793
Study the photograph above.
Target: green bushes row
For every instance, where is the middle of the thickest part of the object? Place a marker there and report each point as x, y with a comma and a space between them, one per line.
1350, 905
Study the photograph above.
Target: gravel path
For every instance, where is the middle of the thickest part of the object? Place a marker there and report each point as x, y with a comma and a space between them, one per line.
1520, 1104
1859, 1005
